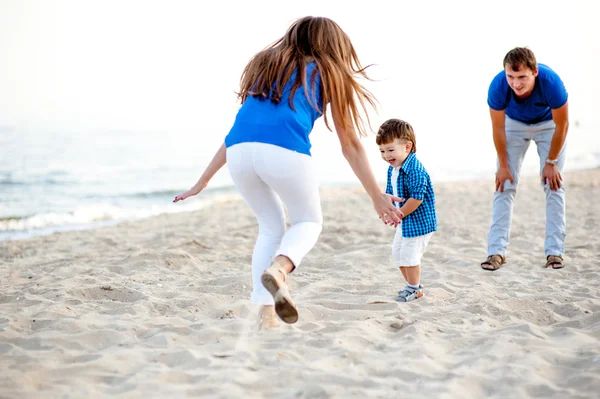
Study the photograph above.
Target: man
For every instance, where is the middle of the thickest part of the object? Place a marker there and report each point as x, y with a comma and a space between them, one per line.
528, 102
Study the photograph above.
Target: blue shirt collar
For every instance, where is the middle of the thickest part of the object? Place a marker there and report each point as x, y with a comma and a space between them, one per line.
409, 163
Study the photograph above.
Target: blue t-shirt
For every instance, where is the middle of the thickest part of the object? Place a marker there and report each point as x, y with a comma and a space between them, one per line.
262, 121
414, 182
548, 93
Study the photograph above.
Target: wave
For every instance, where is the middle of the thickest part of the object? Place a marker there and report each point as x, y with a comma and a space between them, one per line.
171, 192
51, 178
93, 214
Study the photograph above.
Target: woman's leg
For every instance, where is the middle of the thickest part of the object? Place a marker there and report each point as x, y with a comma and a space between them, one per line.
268, 211
293, 177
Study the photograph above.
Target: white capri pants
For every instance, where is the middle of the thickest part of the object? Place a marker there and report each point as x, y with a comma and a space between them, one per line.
408, 251
265, 175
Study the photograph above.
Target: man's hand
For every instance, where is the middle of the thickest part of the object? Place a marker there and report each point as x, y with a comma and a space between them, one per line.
503, 174
551, 175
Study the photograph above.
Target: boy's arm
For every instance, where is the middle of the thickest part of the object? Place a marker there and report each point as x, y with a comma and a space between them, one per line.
410, 205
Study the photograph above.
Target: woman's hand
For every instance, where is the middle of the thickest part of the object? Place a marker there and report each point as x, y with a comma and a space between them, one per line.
213, 167
384, 205
190, 193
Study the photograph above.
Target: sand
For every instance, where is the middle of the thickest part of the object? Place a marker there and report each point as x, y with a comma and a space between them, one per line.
160, 307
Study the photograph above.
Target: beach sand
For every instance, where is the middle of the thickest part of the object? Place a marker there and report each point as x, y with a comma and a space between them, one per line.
160, 307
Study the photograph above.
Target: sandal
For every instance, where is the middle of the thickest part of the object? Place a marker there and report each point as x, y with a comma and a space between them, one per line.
554, 261
494, 261
273, 279
267, 318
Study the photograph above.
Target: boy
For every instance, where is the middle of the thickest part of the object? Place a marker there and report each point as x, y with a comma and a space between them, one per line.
407, 178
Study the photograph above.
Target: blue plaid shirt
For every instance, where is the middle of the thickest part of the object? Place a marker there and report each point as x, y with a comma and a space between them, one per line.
414, 182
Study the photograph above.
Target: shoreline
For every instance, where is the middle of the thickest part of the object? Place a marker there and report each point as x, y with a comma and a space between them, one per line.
226, 193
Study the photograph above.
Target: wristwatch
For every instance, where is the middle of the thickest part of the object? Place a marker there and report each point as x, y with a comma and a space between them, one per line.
552, 161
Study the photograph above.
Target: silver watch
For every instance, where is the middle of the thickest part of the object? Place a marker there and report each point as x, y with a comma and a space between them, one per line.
552, 161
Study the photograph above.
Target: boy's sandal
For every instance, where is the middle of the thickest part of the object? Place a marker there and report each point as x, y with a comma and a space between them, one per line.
493, 262
555, 261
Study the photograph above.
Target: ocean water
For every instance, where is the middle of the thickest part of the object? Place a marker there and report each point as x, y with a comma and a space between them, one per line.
99, 125
62, 180
58, 180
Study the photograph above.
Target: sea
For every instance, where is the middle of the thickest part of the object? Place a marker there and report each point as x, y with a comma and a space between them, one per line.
54, 180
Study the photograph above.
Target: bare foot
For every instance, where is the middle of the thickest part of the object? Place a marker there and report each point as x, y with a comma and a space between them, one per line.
267, 318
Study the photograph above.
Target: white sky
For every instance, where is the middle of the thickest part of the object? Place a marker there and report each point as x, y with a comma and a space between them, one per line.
167, 66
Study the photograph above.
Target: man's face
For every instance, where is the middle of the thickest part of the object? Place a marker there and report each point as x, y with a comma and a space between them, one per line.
521, 81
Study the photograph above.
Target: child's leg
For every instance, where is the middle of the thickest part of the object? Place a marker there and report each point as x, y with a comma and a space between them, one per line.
413, 289
403, 271
409, 261
413, 275
397, 252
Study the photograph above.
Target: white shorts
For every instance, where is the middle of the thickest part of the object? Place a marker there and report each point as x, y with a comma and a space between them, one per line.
407, 251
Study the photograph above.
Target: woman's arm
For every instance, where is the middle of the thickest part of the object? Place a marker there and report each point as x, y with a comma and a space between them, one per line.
355, 154
213, 167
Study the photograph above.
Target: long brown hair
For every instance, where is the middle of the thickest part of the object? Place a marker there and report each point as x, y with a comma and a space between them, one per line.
322, 40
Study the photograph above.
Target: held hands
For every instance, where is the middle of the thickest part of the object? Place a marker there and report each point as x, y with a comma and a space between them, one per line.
503, 174
551, 175
384, 205
191, 192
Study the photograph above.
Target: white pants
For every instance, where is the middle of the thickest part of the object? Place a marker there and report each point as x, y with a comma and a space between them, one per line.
518, 138
408, 251
265, 175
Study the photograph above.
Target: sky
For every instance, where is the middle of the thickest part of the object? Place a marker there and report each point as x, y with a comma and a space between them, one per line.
172, 68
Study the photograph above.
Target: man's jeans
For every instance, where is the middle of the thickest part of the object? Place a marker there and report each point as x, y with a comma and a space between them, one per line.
518, 137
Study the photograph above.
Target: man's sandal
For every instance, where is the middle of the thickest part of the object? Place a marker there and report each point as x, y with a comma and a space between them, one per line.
493, 262
273, 279
555, 261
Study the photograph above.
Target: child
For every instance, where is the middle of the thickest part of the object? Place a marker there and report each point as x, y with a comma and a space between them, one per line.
284, 90
408, 178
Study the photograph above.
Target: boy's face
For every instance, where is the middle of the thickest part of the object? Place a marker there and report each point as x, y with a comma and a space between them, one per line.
396, 152
521, 81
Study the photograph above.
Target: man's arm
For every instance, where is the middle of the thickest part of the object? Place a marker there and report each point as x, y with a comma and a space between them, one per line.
551, 173
499, 134
560, 116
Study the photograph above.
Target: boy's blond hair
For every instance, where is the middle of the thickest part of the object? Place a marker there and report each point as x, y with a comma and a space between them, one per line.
396, 129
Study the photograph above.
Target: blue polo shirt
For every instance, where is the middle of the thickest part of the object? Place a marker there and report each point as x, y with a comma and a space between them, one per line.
548, 93
414, 182
260, 120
